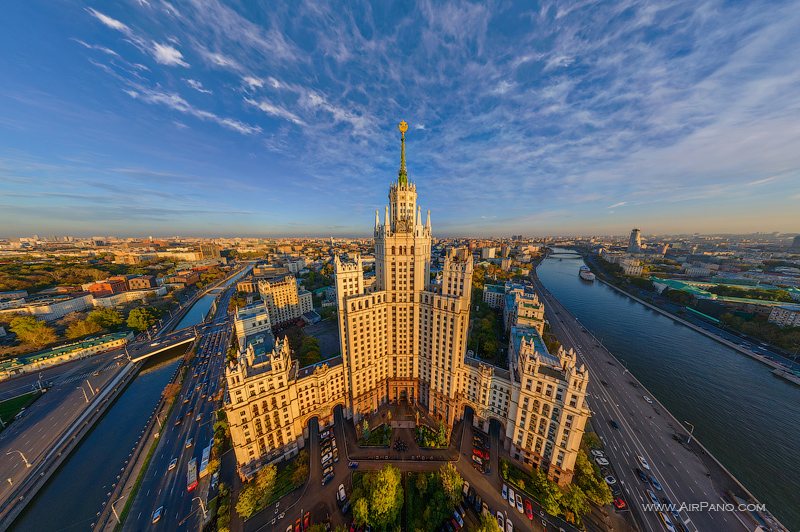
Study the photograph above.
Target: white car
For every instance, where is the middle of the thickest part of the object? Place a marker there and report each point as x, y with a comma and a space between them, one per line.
511, 497
597, 453
646, 398
465, 488
500, 521
326, 458
509, 526
643, 462
505, 492
610, 480
601, 461
340, 494
518, 500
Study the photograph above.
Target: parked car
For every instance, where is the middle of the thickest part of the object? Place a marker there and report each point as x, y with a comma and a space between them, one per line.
480, 452
500, 521
340, 494
597, 453
602, 462
328, 470
477, 460
528, 509
518, 501
509, 526
505, 491
458, 518
485, 508
326, 457
610, 480
352, 464
511, 497
620, 504
465, 488
327, 478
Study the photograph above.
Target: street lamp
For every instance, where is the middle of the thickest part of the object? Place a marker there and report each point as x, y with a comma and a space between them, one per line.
690, 432
84, 393
119, 521
202, 506
27, 464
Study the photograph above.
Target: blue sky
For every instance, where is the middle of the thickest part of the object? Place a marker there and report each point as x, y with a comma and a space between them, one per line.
215, 118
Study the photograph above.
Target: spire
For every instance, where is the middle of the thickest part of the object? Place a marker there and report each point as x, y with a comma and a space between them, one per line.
377, 220
428, 221
402, 176
419, 216
386, 221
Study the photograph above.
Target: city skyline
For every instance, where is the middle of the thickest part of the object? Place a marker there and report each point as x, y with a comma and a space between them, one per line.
153, 118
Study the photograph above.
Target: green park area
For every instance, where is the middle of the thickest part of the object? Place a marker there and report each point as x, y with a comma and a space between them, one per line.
11, 407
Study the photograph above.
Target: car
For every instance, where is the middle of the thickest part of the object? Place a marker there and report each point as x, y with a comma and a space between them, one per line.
189, 442
326, 457
336, 455
509, 526
505, 491
518, 500
352, 464
454, 524
512, 498
199, 417
325, 435
172, 464
481, 453
340, 494
307, 520
157, 514
643, 462
458, 518
653, 497
610, 480
597, 453
647, 399
325, 449
465, 488
346, 507
602, 462
500, 521
328, 470
620, 504
485, 508
667, 522
528, 509
178, 421
477, 459
656, 484
327, 478
477, 503
613, 424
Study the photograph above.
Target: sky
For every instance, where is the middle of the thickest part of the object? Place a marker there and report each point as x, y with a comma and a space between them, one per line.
212, 118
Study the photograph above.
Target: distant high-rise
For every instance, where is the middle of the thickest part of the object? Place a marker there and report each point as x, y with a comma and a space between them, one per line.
796, 242
635, 242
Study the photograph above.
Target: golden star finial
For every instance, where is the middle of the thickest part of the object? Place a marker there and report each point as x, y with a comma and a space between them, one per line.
403, 127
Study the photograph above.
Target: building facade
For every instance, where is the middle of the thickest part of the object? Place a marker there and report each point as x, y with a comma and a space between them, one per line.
405, 339
285, 300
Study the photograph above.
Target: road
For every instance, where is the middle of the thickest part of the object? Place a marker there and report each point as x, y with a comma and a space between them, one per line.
160, 486
644, 429
43, 423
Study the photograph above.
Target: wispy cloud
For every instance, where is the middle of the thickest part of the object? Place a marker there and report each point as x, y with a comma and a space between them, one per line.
198, 86
168, 55
275, 110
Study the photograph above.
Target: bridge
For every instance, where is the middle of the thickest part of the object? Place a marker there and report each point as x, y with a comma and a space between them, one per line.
142, 350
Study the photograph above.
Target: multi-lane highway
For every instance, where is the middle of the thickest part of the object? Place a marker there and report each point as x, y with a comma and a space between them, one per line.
631, 424
192, 418
71, 387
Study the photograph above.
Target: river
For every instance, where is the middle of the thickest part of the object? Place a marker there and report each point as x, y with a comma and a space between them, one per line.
74, 496
748, 418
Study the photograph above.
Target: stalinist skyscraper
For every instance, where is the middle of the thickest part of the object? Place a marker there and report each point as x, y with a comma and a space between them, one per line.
406, 338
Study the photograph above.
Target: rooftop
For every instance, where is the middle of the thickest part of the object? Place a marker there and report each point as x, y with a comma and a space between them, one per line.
531, 334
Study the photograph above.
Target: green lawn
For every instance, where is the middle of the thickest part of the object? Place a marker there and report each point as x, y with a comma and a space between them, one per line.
379, 436
11, 407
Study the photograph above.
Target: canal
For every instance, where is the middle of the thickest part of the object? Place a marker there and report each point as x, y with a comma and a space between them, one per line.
748, 418
74, 496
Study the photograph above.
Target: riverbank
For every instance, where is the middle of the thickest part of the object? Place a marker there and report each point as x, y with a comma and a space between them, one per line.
764, 360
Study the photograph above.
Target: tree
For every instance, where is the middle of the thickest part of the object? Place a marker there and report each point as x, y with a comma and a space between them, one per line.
300, 473
361, 511
142, 318
589, 480
248, 501
265, 480
32, 331
451, 483
81, 328
574, 502
385, 497
106, 318
488, 523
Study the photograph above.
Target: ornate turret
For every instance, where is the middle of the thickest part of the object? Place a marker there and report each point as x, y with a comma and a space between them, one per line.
402, 175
